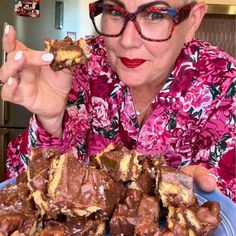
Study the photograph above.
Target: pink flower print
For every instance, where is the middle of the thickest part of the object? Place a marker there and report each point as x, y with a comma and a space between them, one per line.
99, 112
78, 120
227, 165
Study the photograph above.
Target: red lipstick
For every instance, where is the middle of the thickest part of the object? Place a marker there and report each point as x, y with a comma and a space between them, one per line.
131, 63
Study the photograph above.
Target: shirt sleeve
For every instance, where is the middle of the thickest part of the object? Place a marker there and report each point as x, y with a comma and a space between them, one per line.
17, 158
75, 128
220, 158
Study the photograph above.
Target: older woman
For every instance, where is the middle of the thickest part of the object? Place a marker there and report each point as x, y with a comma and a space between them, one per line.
148, 85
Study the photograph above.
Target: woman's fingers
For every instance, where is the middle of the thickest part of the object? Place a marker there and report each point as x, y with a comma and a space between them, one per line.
32, 57
9, 42
18, 64
9, 39
205, 180
9, 89
18, 61
12, 67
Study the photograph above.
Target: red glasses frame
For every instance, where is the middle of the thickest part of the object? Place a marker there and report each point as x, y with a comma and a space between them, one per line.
177, 15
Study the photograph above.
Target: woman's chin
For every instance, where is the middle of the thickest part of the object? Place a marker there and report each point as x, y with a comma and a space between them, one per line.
132, 79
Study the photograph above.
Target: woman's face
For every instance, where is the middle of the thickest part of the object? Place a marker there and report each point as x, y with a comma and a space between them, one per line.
139, 62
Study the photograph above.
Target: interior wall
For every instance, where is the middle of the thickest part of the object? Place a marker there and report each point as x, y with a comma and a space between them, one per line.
219, 30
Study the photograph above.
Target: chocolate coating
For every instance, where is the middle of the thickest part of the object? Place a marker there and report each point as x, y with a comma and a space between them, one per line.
120, 163
201, 220
17, 210
133, 211
81, 226
176, 188
85, 193
147, 227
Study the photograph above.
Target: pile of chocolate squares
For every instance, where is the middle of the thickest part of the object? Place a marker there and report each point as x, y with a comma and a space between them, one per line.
120, 192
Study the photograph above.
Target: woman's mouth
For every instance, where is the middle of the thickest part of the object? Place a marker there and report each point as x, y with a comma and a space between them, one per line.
131, 63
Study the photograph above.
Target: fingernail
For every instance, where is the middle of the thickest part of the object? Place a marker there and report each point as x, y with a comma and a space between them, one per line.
18, 56
10, 81
7, 28
47, 57
213, 177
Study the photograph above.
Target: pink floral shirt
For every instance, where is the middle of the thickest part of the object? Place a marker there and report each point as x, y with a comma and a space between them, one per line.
193, 119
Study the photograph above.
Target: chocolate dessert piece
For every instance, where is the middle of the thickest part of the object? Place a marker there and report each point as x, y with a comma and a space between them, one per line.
177, 230
84, 227
22, 178
75, 226
134, 212
10, 221
61, 196
38, 175
67, 53
175, 188
121, 163
57, 230
15, 196
57, 187
17, 210
128, 166
146, 179
38, 167
72, 187
124, 218
40, 160
197, 220
143, 182
145, 211
148, 213
146, 227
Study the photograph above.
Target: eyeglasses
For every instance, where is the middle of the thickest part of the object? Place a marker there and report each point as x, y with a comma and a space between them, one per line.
153, 23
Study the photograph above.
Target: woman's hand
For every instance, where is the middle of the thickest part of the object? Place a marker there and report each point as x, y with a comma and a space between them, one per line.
29, 81
205, 180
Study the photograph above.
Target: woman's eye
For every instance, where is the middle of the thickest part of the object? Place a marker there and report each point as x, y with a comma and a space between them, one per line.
115, 13
155, 16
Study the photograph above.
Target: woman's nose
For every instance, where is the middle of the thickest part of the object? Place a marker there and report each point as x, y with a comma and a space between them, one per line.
130, 36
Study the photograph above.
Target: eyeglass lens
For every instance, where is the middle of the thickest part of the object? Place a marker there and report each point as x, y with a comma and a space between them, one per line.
153, 23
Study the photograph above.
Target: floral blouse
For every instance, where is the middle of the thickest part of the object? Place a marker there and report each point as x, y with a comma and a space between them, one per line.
193, 119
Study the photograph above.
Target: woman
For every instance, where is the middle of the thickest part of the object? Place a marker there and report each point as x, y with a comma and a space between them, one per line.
148, 85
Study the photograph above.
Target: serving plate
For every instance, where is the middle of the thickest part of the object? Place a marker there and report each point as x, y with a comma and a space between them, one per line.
9, 181
227, 226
